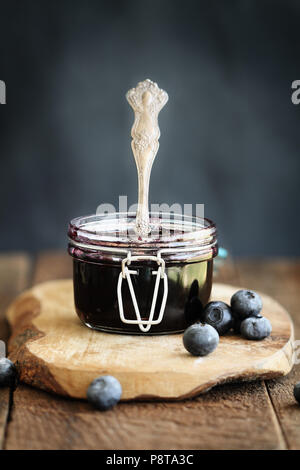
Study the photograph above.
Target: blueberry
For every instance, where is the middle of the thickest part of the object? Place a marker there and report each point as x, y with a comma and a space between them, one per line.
218, 315
200, 339
297, 392
104, 392
256, 328
8, 373
237, 323
246, 303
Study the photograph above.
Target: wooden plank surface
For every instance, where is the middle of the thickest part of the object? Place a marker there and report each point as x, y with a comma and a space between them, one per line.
14, 277
237, 416
230, 417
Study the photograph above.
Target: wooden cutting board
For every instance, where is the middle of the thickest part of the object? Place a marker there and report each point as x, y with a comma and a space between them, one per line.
55, 352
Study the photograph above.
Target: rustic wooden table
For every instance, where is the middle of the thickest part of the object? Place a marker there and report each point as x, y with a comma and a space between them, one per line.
257, 415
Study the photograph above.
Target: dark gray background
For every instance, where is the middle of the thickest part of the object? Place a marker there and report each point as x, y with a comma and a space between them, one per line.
230, 134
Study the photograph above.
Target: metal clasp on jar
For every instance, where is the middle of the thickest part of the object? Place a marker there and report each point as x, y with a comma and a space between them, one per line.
126, 273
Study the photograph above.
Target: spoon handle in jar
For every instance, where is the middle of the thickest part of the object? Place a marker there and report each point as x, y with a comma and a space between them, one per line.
146, 101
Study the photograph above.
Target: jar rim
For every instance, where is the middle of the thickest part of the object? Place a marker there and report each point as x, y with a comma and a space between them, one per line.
117, 228
175, 235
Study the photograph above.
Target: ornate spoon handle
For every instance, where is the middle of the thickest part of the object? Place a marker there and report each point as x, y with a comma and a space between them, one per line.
146, 101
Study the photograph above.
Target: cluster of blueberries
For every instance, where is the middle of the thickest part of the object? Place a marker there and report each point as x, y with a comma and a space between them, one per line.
243, 316
201, 338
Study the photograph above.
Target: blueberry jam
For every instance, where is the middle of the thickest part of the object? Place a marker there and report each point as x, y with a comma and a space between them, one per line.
97, 263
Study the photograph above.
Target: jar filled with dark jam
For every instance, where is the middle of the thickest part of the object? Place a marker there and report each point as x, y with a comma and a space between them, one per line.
127, 284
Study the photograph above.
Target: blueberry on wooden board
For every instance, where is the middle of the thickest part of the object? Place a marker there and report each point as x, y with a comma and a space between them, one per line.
237, 323
218, 315
104, 392
256, 328
200, 339
246, 303
8, 373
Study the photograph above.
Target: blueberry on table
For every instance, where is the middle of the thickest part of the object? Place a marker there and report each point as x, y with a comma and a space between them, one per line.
104, 392
8, 373
237, 323
246, 303
200, 339
297, 392
256, 328
218, 315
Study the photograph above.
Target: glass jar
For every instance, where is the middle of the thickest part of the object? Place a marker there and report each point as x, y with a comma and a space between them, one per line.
154, 285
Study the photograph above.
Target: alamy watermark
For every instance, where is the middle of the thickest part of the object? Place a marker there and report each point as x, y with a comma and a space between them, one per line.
295, 97
185, 210
164, 218
2, 92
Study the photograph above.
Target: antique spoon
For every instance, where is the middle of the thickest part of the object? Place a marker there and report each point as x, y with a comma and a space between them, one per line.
146, 101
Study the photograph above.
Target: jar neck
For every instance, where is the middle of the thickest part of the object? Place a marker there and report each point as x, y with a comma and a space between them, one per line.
113, 255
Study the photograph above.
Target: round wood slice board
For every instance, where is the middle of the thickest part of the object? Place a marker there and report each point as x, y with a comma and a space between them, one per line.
54, 351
